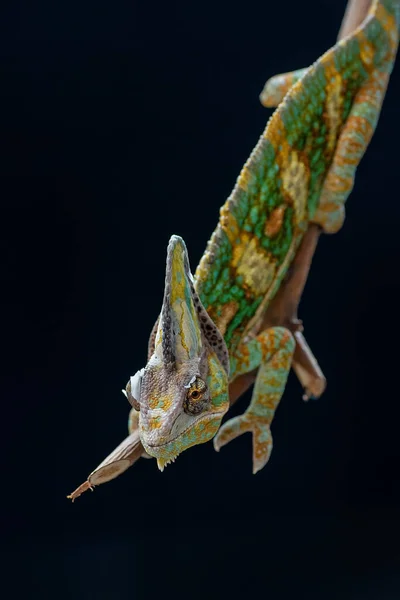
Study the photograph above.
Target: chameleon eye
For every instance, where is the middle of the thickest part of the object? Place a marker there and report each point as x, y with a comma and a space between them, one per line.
194, 402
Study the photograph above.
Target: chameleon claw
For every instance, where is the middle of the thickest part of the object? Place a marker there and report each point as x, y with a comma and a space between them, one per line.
262, 438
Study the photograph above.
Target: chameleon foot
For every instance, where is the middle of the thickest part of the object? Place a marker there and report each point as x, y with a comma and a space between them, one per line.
262, 438
271, 352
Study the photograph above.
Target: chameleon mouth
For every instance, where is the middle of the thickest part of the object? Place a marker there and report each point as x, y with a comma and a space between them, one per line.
167, 452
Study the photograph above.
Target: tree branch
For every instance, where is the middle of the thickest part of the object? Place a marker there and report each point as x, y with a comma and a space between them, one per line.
356, 11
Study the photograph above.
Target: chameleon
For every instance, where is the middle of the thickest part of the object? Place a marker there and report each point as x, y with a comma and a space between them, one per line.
300, 172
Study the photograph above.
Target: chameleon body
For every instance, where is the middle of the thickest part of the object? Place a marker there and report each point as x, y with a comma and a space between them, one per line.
300, 172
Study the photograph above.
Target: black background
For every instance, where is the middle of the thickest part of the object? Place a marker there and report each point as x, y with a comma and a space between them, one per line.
122, 123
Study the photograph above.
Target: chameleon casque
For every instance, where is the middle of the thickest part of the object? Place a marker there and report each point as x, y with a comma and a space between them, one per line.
300, 172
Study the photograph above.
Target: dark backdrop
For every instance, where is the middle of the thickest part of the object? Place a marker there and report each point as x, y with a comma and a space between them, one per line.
122, 123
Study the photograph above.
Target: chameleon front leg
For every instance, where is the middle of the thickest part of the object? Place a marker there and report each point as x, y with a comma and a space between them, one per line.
271, 352
278, 86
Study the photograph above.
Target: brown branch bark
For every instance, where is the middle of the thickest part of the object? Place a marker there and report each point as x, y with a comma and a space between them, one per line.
356, 11
282, 311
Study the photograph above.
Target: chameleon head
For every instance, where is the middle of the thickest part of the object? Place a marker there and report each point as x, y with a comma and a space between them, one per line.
182, 393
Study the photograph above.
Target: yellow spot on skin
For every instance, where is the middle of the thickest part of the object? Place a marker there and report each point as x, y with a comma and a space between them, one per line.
153, 402
167, 403
255, 265
275, 130
244, 177
160, 402
334, 103
295, 179
274, 222
229, 223
366, 49
155, 422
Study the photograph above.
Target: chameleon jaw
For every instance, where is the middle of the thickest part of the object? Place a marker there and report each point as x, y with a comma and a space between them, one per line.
167, 452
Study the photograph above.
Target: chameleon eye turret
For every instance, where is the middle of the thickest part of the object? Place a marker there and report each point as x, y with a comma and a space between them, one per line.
197, 398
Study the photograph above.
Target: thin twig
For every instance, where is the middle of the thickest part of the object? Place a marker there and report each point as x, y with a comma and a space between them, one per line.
120, 459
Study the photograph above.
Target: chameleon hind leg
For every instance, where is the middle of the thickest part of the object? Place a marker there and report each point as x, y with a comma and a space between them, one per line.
271, 352
278, 86
351, 146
